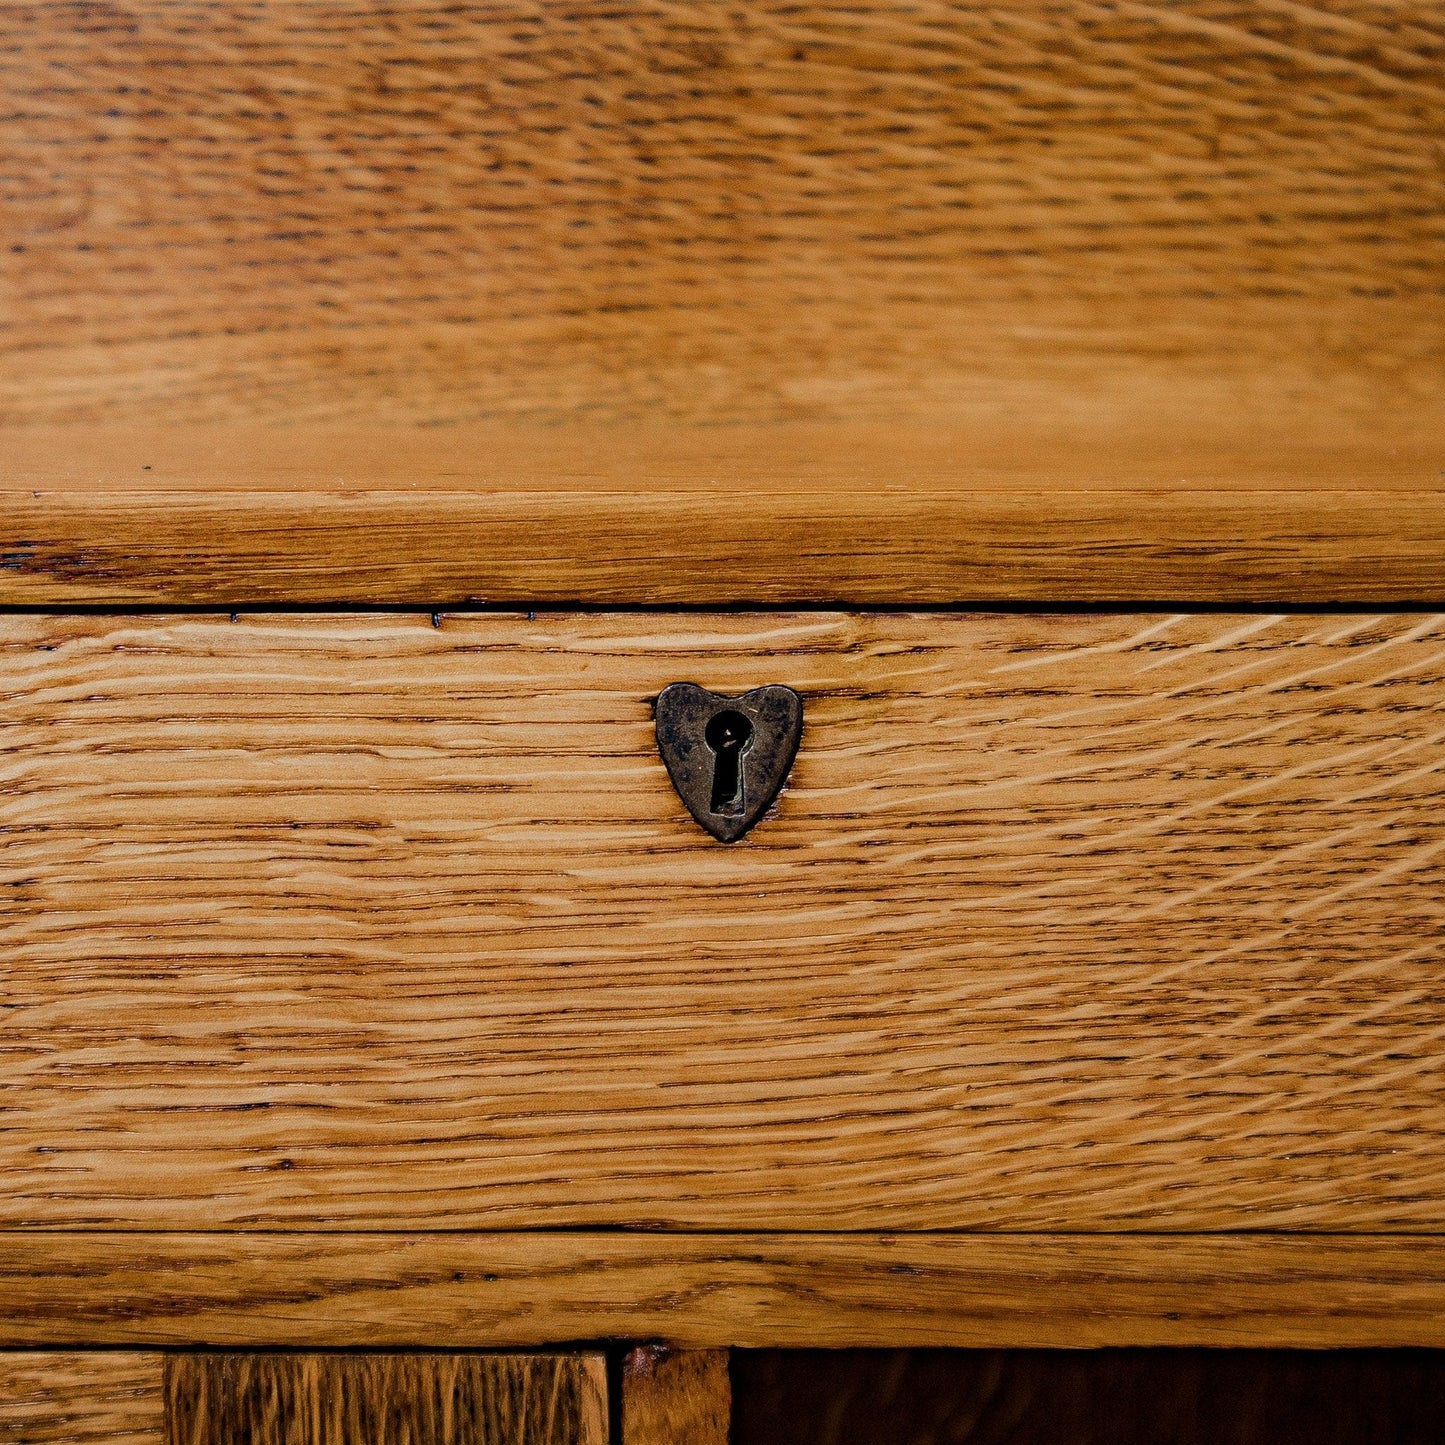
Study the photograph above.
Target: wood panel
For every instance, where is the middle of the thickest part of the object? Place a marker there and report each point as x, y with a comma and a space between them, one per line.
1064, 922
95, 1398
889, 514
676, 1397
703, 211
314, 1399
528, 1290
1109, 1397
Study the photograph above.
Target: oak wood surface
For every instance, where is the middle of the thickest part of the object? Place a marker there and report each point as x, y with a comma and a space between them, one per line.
676, 1397
1063, 922
700, 211
526, 1290
411, 1399
107, 1397
895, 513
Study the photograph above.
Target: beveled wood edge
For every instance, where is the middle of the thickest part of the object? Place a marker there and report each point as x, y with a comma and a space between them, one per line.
491, 1291
633, 460
634, 516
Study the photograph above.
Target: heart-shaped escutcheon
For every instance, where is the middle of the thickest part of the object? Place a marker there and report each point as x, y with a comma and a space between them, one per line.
728, 756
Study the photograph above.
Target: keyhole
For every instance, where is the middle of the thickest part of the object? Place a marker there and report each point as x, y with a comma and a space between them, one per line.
728, 735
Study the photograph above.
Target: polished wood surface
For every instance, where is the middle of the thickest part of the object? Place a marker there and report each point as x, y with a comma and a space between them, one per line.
1066, 924
897, 513
110, 1397
676, 1397
526, 1290
857, 304
1063, 922
410, 212
427, 1399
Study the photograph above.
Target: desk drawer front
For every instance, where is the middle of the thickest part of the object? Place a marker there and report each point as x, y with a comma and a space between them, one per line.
1063, 922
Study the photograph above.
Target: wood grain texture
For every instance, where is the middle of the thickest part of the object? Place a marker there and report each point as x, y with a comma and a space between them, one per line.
528, 1290
1064, 922
415, 211
98, 1398
676, 1397
417, 1399
891, 514
1108, 1397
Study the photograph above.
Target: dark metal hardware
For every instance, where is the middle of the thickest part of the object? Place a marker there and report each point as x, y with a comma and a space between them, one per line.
728, 757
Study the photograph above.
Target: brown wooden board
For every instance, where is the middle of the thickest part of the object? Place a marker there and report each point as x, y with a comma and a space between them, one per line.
318, 1399
364, 211
1062, 923
78, 1398
1093, 511
676, 1397
1083, 273
529, 1290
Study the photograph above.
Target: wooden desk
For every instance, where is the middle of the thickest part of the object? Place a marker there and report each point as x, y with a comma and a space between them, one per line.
397, 400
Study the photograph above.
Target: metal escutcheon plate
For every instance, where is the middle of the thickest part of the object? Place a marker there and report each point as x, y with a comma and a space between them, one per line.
728, 757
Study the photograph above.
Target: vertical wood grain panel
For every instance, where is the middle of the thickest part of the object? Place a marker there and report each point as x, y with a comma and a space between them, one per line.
406, 1399
676, 1397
